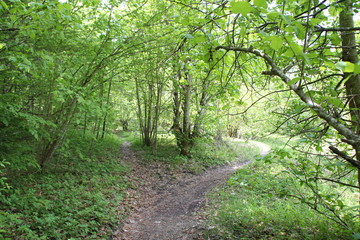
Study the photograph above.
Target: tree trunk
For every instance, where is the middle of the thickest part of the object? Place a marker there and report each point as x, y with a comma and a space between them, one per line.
58, 134
352, 85
107, 104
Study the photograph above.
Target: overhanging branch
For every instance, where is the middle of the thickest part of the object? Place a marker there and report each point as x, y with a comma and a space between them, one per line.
344, 156
351, 136
341, 183
339, 29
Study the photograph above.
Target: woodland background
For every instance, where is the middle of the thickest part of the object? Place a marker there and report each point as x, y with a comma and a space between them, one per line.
186, 77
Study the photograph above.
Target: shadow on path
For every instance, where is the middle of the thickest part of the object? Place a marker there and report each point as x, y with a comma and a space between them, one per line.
166, 207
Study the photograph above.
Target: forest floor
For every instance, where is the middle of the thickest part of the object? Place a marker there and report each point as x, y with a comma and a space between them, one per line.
165, 205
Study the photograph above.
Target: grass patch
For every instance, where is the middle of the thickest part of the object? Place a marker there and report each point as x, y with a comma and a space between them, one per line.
205, 153
76, 197
212, 154
258, 203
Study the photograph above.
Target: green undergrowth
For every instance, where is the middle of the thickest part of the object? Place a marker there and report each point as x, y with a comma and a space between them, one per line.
75, 197
205, 153
257, 203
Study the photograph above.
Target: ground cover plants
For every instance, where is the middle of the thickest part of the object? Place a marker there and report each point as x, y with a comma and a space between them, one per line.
266, 201
76, 197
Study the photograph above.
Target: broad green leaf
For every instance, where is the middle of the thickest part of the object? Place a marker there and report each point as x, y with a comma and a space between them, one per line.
335, 101
333, 11
296, 48
299, 30
357, 68
242, 7
289, 29
289, 53
2, 45
3, 4
260, 3
345, 66
229, 59
200, 39
315, 21
335, 38
273, 15
242, 31
295, 80
276, 43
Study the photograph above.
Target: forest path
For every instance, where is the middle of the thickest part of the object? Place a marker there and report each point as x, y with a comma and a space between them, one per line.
164, 205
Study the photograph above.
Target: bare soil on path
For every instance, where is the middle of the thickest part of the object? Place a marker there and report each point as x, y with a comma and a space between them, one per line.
165, 206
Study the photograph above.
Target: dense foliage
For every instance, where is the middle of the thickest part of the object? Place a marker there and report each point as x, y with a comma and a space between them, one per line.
78, 196
201, 70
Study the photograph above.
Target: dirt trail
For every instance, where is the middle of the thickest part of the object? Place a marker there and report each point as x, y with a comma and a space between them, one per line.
166, 206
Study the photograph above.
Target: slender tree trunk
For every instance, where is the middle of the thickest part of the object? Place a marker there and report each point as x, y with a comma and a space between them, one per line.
202, 110
139, 112
107, 104
159, 87
176, 129
349, 54
186, 143
101, 95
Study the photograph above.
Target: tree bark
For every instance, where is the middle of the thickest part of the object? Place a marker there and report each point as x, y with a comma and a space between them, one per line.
352, 85
186, 139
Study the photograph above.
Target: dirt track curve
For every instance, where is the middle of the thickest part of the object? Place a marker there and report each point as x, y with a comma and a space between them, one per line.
164, 206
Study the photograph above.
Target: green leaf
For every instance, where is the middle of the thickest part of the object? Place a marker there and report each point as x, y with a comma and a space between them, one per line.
335, 101
200, 39
356, 68
242, 7
335, 38
315, 21
3, 4
189, 36
242, 31
288, 53
296, 48
273, 15
2, 45
345, 66
260, 3
295, 80
276, 43
4, 121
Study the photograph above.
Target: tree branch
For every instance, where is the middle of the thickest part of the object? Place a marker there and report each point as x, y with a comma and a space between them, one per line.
333, 29
9, 29
352, 137
335, 181
252, 104
341, 154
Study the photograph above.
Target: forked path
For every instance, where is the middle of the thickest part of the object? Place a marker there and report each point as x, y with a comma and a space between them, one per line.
164, 206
